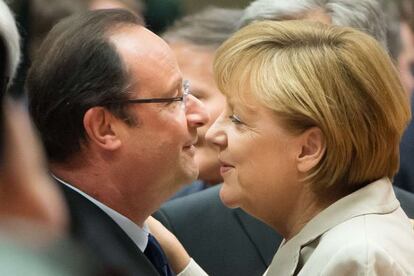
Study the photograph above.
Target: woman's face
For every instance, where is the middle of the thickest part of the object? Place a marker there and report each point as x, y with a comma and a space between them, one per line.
258, 158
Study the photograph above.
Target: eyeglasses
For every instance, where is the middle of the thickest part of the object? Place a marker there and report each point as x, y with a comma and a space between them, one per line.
183, 98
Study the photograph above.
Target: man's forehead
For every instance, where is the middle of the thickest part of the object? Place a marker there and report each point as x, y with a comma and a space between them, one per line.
149, 61
136, 39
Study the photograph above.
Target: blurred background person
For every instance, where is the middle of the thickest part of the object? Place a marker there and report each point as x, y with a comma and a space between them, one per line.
401, 22
194, 40
33, 217
44, 14
135, 6
316, 171
23, 173
191, 7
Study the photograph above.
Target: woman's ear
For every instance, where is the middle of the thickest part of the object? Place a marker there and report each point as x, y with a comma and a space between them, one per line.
313, 147
99, 126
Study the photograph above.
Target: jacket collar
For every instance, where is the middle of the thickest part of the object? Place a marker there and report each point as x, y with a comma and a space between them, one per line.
376, 198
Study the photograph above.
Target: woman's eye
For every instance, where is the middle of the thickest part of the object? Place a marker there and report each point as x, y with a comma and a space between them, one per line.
198, 95
235, 119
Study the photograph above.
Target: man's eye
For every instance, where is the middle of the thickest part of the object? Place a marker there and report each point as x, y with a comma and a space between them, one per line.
235, 119
175, 102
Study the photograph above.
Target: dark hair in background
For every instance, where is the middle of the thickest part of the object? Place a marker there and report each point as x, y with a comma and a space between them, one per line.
44, 14
77, 68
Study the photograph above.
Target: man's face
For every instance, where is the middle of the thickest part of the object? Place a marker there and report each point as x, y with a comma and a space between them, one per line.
157, 153
196, 63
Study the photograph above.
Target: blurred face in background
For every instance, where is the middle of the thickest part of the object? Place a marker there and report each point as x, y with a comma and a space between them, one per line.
132, 6
406, 58
106, 4
196, 64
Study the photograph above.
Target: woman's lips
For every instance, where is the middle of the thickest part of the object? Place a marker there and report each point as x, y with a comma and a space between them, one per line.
225, 167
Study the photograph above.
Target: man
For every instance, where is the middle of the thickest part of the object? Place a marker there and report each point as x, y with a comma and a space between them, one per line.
107, 97
241, 245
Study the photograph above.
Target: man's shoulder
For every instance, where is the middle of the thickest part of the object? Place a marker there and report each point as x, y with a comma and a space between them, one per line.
111, 246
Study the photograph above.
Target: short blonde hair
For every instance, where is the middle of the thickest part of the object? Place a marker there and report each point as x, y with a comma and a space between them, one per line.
314, 75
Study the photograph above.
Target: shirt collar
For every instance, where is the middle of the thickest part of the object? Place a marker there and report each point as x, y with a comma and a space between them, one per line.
137, 234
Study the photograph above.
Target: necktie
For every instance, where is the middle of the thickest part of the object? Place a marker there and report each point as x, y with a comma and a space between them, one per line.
157, 257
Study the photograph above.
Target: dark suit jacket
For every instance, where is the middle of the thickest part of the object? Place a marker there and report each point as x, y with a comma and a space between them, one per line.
405, 176
111, 246
225, 241
222, 241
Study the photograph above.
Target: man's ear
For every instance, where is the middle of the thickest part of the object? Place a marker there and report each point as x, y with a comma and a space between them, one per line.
99, 126
313, 147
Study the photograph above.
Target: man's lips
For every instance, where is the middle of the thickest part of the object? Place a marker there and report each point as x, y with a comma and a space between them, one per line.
190, 148
191, 143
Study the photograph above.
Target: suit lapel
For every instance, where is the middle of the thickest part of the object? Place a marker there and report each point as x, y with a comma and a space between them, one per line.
110, 245
264, 238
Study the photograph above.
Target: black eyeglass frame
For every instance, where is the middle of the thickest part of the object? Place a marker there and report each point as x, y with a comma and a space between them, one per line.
182, 98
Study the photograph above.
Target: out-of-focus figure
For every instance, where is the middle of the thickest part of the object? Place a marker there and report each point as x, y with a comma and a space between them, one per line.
44, 14
33, 217
400, 29
194, 40
23, 176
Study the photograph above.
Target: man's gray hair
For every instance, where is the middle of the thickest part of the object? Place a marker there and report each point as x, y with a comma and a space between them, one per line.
11, 40
365, 15
209, 27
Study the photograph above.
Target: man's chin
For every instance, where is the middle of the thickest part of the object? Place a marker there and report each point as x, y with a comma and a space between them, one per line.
190, 173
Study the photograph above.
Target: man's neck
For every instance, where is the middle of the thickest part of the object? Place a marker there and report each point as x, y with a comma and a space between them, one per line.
103, 188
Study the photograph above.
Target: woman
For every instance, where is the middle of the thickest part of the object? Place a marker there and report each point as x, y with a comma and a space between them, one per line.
308, 144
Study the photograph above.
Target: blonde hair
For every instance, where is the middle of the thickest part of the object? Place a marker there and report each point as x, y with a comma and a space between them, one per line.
314, 75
